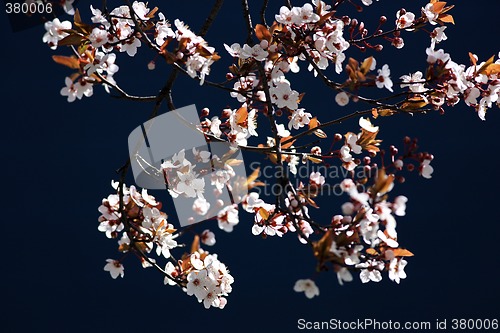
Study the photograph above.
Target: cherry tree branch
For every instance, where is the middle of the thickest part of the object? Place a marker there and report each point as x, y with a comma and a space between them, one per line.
211, 17
248, 20
385, 33
124, 94
337, 86
263, 12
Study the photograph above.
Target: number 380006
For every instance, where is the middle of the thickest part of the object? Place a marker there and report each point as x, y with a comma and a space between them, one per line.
28, 8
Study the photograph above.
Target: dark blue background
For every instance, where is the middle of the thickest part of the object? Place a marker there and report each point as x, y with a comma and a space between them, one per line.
58, 160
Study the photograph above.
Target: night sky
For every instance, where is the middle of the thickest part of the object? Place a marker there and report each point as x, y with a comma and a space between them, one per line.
59, 158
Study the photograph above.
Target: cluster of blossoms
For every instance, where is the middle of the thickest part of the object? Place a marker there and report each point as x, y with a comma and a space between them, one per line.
143, 221
119, 30
210, 175
270, 221
447, 82
205, 276
145, 227
236, 125
363, 238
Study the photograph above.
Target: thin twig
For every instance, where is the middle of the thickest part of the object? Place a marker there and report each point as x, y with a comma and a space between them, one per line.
211, 17
337, 87
124, 94
248, 20
263, 13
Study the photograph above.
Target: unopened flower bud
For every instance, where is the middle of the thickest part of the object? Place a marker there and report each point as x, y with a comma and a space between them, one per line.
383, 19
346, 19
264, 44
398, 164
151, 65
205, 112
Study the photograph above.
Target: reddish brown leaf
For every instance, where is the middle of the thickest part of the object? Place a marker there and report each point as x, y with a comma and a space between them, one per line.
195, 246
402, 253
264, 213
71, 62
76, 17
414, 103
73, 39
365, 66
492, 69
447, 18
152, 13
325, 17
438, 6
313, 123
252, 177
288, 144
242, 115
262, 33
314, 159
486, 64
472, 59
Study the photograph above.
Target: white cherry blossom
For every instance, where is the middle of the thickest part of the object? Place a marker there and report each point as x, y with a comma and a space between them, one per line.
344, 275
208, 237
201, 206
426, 169
383, 79
227, 218
405, 20
55, 32
115, 268
396, 269
256, 52
370, 271
283, 96
433, 55
299, 119
307, 286
438, 35
342, 98
414, 82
